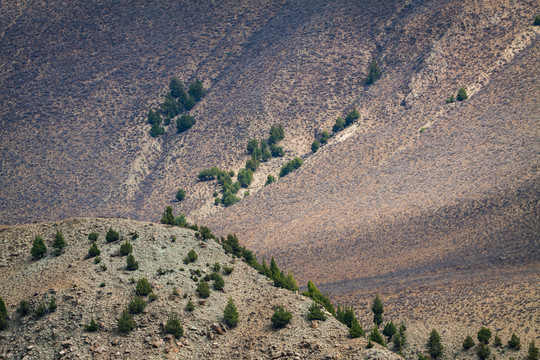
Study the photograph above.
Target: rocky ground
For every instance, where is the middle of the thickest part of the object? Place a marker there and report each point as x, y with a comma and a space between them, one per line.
84, 290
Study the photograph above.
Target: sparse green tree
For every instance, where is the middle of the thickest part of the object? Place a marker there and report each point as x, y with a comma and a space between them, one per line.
536, 20
423, 357
168, 217
462, 94
112, 235
290, 166
131, 263
52, 305
400, 339
173, 326
376, 336
230, 314
514, 342
378, 310
157, 130
136, 305
92, 326
315, 145
94, 250
533, 352
352, 116
338, 125
189, 306
468, 342
191, 257
181, 221
181, 195
93, 236
196, 90
356, 330
497, 341
324, 137
176, 87
389, 329
23, 308
40, 310
252, 145
315, 313
38, 248
219, 283
374, 72
3, 309
277, 151
245, 177
203, 289
125, 322
281, 317
59, 242
154, 118
252, 164
484, 335
277, 133
434, 345
184, 123
126, 248
483, 352
270, 179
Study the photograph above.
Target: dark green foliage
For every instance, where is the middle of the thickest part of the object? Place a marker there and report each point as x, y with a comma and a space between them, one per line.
196, 90
3, 309
536, 20
483, 351
92, 326
231, 245
276, 151
230, 199
497, 341
185, 122
157, 130
400, 339
93, 236
209, 174
280, 280
227, 270
462, 94
216, 267
94, 250
252, 146
252, 164
245, 177
181, 221
230, 314
290, 166
23, 308
352, 116
276, 134
52, 305
484, 335
59, 242
315, 294
205, 233
374, 72
450, 100
423, 357
315, 145
514, 342
376, 336
270, 179
152, 297
281, 317
154, 118
346, 315
3, 322
369, 345
189, 306
41, 310
131, 264
315, 313
356, 330
468, 342
97, 260
219, 283
112, 236
324, 137
125, 322
378, 310
181, 195
533, 352
136, 305
126, 248
203, 289
191, 257
168, 217
176, 87
173, 326
189, 103
338, 125
389, 329
38, 248
170, 107
434, 345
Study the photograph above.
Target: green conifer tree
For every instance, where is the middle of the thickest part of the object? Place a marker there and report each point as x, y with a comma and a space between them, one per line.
230, 314
168, 217
38, 247
378, 310
434, 345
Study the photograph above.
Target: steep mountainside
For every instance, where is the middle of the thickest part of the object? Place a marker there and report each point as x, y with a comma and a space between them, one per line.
84, 290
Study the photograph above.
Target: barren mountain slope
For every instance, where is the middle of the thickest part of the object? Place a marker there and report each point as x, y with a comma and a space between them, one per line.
75, 283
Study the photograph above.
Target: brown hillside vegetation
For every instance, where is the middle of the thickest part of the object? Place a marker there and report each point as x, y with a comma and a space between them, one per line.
75, 282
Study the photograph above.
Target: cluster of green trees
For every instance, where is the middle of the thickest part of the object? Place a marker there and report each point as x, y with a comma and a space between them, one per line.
177, 101
290, 166
261, 152
374, 72
350, 118
484, 352
39, 249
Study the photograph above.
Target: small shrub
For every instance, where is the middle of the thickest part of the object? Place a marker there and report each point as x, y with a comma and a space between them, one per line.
468, 343
191, 257
230, 314
252, 164
497, 341
52, 305
270, 179
59, 242
281, 317
157, 130
423, 357
369, 344
136, 305
41, 310
245, 177
92, 326
23, 308
93, 236
102, 284
450, 100
324, 137
374, 72
38, 247
143, 287
514, 342
131, 263
103, 267
276, 134
126, 248
203, 289
276, 151
181, 195
173, 326
484, 335
483, 351
112, 235
462, 94
184, 123
219, 283
227, 270
252, 146
315, 313
338, 125
216, 267
97, 260
357, 331
315, 145
536, 20
125, 322
533, 352
135, 236
94, 250
152, 297
375, 336
189, 306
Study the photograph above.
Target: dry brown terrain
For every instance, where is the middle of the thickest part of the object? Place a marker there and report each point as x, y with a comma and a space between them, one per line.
443, 223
